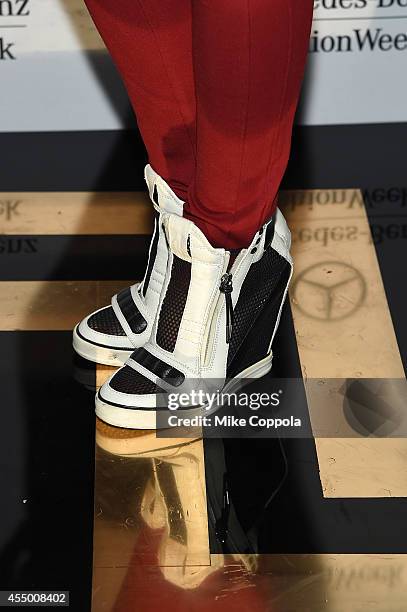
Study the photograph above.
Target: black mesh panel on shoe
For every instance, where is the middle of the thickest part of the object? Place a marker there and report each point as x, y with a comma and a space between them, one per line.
129, 381
261, 283
173, 304
106, 322
256, 344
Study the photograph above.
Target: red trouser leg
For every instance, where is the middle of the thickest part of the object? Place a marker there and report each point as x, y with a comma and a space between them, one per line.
214, 84
249, 57
150, 42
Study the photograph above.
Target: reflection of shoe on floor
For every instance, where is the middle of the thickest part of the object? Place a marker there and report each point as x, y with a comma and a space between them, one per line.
153, 509
175, 503
111, 334
149, 588
228, 536
184, 555
213, 322
84, 373
137, 443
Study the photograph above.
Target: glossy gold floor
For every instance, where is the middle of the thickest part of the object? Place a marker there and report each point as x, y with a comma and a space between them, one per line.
151, 547
52, 305
344, 331
75, 213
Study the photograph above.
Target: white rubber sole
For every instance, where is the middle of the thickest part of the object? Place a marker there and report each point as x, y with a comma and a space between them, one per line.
138, 418
99, 354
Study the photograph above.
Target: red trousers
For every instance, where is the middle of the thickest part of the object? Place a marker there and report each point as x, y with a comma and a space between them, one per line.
214, 85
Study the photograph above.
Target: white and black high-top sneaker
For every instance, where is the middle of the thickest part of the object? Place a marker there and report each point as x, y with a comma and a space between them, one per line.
214, 323
110, 334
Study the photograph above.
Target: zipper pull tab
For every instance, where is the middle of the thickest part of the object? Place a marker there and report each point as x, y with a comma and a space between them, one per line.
226, 287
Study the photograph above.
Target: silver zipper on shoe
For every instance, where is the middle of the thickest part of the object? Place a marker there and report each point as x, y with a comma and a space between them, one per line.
226, 287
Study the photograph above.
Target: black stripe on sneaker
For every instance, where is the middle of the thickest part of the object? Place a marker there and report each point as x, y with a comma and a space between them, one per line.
155, 195
158, 367
109, 346
270, 231
152, 255
173, 305
131, 313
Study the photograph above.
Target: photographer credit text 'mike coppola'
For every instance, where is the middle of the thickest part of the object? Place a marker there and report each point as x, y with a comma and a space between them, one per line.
229, 421
228, 412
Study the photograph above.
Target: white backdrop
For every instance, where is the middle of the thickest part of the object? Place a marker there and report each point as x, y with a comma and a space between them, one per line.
55, 74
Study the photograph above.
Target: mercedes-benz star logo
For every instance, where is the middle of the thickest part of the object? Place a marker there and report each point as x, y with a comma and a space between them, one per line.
329, 291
